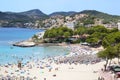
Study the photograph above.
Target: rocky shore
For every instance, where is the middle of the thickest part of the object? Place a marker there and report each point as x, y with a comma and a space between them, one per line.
30, 42
25, 44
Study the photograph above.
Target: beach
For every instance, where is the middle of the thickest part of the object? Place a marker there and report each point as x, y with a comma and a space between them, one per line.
80, 64
64, 72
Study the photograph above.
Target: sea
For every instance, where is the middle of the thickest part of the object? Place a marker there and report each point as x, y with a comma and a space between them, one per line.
11, 54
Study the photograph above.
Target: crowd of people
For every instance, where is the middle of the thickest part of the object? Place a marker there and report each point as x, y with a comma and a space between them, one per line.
78, 55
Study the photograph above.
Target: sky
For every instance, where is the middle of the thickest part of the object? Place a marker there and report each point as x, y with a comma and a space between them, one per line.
49, 6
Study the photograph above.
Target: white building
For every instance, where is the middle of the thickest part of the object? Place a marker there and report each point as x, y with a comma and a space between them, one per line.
118, 25
70, 25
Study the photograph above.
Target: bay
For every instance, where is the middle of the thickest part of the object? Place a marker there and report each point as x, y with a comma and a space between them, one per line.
11, 54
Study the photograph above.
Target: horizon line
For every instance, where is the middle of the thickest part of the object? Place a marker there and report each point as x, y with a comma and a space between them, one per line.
59, 11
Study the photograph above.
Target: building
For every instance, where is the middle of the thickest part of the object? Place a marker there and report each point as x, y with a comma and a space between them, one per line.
118, 25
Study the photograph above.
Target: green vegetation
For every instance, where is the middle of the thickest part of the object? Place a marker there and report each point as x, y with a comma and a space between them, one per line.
111, 39
95, 36
87, 20
108, 54
97, 33
80, 30
111, 43
58, 34
107, 18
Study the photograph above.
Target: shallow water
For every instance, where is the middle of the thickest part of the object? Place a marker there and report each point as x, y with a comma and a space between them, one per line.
11, 54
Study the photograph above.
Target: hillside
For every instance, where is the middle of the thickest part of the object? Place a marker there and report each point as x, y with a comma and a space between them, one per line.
34, 14
21, 19
36, 18
63, 13
12, 16
93, 13
27, 15
101, 15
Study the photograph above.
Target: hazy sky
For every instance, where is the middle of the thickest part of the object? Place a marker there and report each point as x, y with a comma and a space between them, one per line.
49, 6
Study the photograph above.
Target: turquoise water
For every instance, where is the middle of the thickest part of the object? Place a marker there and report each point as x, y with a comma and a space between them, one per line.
11, 54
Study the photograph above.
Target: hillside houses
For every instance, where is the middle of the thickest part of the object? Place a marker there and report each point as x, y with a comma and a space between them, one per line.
71, 21
37, 19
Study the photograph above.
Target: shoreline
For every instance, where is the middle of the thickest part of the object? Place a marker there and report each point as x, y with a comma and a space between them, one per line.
52, 71
53, 68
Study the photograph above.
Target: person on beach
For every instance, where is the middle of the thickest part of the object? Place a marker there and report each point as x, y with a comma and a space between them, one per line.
19, 64
44, 78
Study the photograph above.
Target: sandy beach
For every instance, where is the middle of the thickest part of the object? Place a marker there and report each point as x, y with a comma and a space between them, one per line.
57, 68
64, 72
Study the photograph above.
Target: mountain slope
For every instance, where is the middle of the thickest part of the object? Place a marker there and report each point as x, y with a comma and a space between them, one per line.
12, 16
97, 14
63, 13
35, 14
27, 15
32, 17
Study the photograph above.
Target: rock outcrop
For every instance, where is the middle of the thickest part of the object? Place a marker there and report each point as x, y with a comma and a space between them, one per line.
25, 44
